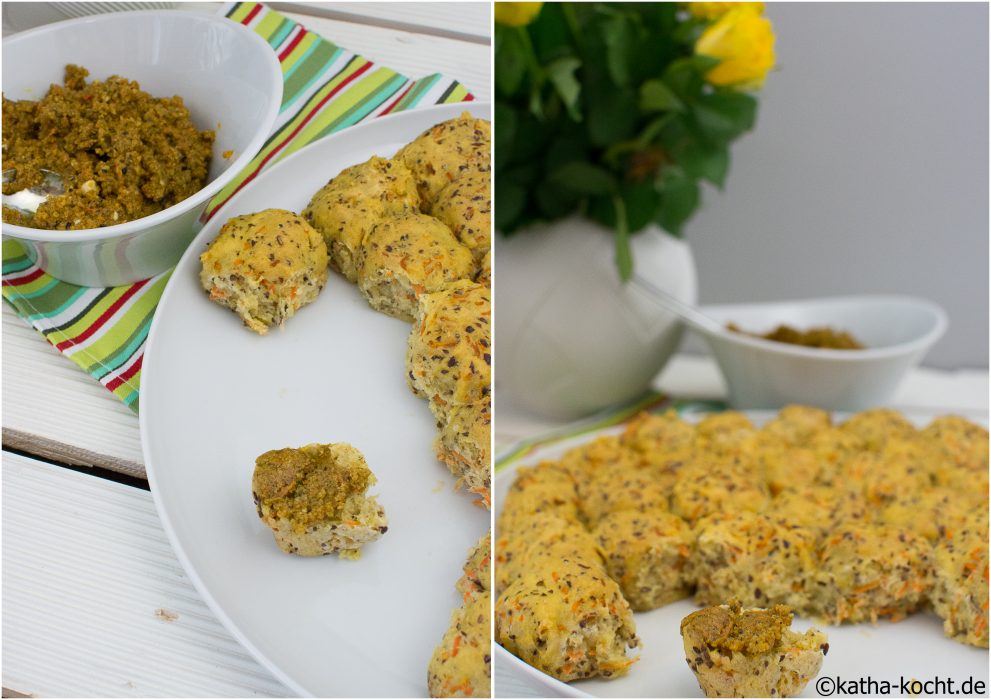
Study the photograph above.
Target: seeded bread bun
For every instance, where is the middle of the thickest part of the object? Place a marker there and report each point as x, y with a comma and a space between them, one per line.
547, 488
755, 559
714, 485
647, 554
868, 571
351, 204
569, 621
265, 267
450, 352
484, 276
541, 543
964, 441
447, 151
463, 444
465, 206
461, 666
622, 488
960, 590
314, 499
406, 256
477, 577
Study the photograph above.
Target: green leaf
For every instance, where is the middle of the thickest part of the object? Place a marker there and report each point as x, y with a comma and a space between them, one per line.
531, 137
550, 34
679, 199
565, 147
510, 61
685, 76
642, 202
612, 115
707, 162
723, 116
505, 133
556, 202
510, 200
619, 39
624, 257
536, 103
584, 178
562, 76
655, 96
653, 130
525, 174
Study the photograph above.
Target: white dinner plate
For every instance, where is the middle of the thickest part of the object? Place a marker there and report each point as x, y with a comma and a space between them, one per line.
913, 648
214, 396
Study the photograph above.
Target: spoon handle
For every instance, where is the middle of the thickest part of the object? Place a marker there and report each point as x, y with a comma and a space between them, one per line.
689, 314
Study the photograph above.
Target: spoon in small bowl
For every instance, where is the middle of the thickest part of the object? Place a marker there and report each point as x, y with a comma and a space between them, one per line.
686, 312
766, 374
28, 200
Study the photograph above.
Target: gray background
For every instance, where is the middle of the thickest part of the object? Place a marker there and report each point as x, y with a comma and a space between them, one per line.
867, 171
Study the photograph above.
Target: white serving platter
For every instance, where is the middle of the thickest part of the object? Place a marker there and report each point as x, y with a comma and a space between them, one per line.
913, 648
215, 395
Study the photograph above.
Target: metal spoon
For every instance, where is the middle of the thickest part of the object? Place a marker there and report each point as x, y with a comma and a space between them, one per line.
687, 313
28, 200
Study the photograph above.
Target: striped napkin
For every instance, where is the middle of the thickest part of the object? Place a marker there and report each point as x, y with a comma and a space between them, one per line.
326, 89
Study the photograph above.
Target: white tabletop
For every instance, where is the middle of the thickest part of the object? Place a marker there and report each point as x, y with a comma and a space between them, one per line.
94, 601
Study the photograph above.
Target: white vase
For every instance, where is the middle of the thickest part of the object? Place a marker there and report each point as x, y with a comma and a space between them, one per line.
571, 338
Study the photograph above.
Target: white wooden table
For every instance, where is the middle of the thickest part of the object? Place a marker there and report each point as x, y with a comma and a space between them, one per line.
94, 601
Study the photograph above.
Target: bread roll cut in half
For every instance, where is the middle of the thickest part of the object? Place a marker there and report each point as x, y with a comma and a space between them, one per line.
315, 500
750, 653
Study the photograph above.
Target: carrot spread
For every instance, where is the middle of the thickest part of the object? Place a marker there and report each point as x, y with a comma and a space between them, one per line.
121, 153
819, 337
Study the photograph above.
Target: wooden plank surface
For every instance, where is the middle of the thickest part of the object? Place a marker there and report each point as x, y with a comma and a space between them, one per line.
95, 604
53, 408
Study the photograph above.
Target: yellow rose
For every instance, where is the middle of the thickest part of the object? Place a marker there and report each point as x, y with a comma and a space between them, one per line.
715, 10
744, 43
516, 14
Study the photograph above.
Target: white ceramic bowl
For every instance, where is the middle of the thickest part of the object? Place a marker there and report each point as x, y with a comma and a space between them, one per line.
763, 374
228, 77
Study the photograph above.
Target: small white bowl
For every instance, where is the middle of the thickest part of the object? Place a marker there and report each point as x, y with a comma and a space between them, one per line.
228, 77
764, 374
